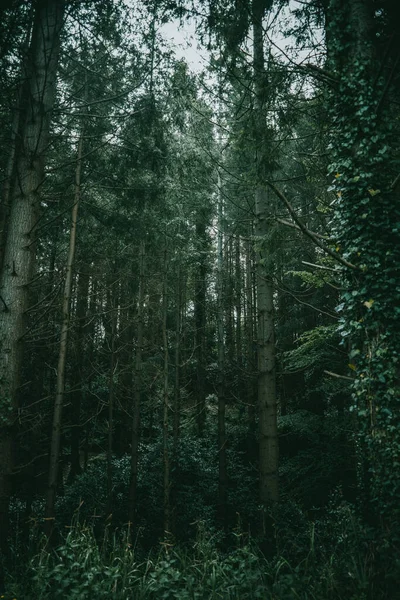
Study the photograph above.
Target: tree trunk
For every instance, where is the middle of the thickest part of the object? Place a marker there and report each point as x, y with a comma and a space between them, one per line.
20, 246
365, 179
177, 383
238, 295
222, 472
200, 323
267, 405
250, 353
229, 304
17, 135
62, 357
90, 334
184, 334
78, 374
176, 425
137, 393
113, 304
167, 475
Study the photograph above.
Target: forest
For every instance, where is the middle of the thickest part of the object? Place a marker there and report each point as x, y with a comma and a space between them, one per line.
200, 299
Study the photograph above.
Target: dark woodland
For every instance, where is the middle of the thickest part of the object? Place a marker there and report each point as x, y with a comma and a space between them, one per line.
200, 299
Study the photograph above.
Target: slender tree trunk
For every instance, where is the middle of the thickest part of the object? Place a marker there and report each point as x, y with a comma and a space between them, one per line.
177, 382
267, 404
89, 334
222, 471
167, 474
80, 364
177, 393
111, 400
50, 373
124, 391
200, 324
184, 334
238, 294
229, 304
62, 357
20, 247
251, 397
137, 393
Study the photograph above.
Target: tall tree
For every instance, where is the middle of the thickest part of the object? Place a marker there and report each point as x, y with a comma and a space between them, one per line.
222, 467
364, 171
62, 357
137, 392
79, 369
20, 246
200, 318
267, 403
166, 408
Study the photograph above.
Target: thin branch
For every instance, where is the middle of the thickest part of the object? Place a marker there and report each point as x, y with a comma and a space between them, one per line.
388, 84
339, 376
307, 232
395, 183
289, 224
318, 266
319, 310
319, 73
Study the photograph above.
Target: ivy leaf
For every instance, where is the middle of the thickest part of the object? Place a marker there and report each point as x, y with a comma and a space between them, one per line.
354, 353
369, 303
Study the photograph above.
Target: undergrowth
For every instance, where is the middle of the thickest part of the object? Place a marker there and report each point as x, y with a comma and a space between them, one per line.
332, 566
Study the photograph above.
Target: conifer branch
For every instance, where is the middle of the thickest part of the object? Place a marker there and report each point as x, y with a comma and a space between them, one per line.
307, 231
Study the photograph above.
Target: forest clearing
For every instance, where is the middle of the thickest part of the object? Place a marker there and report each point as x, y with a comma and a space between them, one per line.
200, 299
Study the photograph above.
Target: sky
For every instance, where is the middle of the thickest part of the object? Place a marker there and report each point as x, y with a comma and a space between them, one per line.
185, 44
183, 38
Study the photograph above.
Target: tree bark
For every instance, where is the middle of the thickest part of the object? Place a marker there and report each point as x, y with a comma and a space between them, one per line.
238, 298
200, 323
222, 470
250, 352
78, 374
362, 111
113, 304
177, 383
167, 467
229, 303
137, 393
20, 246
62, 357
267, 404
17, 135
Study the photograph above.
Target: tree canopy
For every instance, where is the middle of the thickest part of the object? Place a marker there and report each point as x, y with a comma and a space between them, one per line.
199, 300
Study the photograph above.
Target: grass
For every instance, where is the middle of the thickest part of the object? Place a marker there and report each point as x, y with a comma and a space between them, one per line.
82, 568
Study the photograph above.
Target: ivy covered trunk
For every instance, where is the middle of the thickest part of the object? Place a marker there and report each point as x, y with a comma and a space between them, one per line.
365, 183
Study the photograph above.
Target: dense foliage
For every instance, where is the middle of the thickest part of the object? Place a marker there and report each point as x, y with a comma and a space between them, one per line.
199, 267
